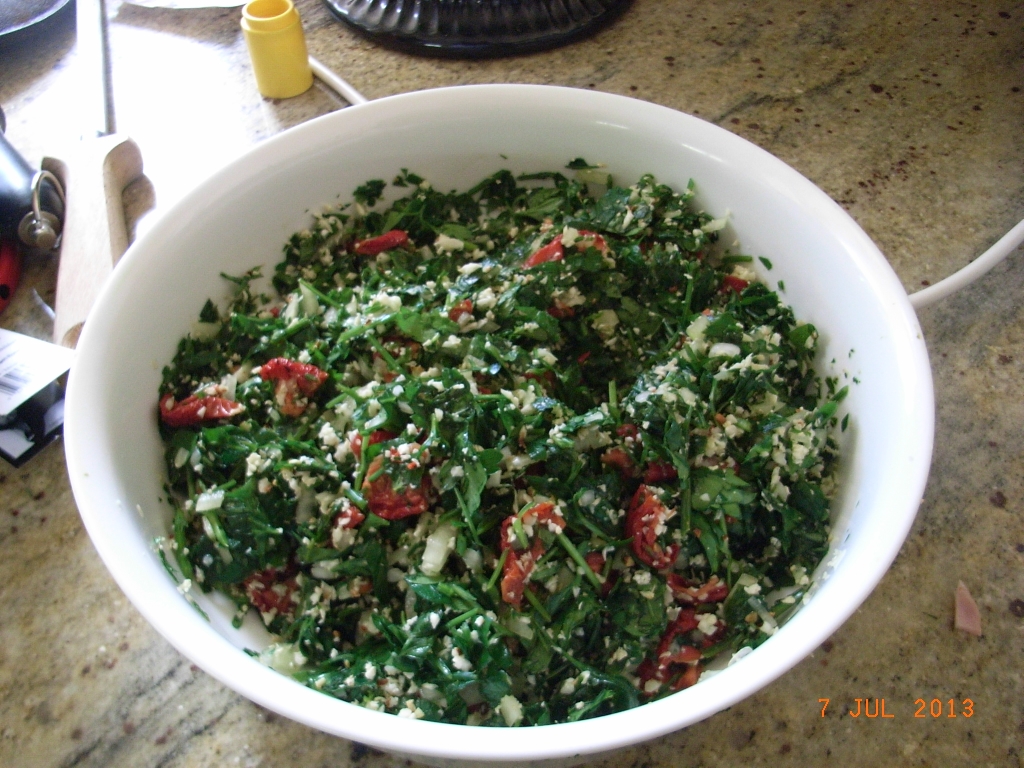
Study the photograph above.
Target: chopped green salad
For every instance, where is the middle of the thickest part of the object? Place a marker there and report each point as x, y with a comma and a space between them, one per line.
529, 453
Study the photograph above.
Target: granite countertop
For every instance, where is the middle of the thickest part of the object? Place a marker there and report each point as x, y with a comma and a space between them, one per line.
910, 115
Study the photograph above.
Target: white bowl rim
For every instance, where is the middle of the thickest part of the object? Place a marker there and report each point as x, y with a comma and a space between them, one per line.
460, 742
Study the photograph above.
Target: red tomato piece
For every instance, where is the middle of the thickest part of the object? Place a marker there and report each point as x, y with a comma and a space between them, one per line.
596, 561
307, 377
396, 238
544, 378
733, 283
271, 590
658, 472
617, 458
561, 311
669, 656
293, 381
194, 410
349, 517
464, 307
384, 501
520, 561
646, 514
628, 430
590, 239
689, 677
517, 568
553, 251
713, 591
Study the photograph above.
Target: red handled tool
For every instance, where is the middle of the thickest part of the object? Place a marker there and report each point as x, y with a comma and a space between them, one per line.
10, 271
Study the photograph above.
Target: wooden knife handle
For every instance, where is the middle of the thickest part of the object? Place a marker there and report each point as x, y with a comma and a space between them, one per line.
94, 235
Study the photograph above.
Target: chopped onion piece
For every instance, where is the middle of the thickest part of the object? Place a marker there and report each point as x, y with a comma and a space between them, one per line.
209, 500
439, 545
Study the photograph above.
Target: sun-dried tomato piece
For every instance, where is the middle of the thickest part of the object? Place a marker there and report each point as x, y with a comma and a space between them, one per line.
194, 410
660, 471
646, 514
384, 501
349, 517
561, 311
293, 381
588, 239
627, 431
518, 567
668, 657
553, 251
616, 458
733, 283
520, 561
271, 590
307, 377
712, 591
396, 238
464, 307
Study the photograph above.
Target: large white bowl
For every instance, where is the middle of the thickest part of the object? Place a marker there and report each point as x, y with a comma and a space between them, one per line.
834, 277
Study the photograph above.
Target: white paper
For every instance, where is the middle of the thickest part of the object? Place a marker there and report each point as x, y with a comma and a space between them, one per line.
26, 366
14, 443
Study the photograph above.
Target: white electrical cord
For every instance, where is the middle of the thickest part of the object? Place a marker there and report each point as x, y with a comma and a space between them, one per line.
919, 300
1003, 248
346, 91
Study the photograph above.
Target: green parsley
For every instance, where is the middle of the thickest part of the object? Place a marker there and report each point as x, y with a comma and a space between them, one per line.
529, 453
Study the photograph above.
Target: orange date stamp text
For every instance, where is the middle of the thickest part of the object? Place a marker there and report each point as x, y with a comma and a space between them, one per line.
932, 709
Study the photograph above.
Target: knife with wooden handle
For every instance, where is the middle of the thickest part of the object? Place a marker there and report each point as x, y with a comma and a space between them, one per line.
94, 235
94, 178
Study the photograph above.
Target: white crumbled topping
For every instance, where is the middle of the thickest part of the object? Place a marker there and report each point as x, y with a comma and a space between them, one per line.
800, 576
253, 462
511, 710
724, 349
544, 355
571, 297
387, 301
715, 225
327, 436
459, 661
486, 299
447, 244
707, 623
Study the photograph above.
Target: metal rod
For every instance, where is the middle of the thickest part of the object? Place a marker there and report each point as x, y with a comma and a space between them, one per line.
93, 50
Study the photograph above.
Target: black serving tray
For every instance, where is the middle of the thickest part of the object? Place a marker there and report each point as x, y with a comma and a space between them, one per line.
476, 28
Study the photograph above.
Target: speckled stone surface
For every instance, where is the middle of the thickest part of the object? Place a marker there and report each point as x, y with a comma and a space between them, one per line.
911, 115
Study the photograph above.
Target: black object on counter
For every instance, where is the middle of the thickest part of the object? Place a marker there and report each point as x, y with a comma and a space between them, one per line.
476, 28
34, 425
18, 18
15, 189
18, 214
16, 179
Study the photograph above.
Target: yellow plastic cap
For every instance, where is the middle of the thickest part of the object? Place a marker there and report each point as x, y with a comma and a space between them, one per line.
277, 47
